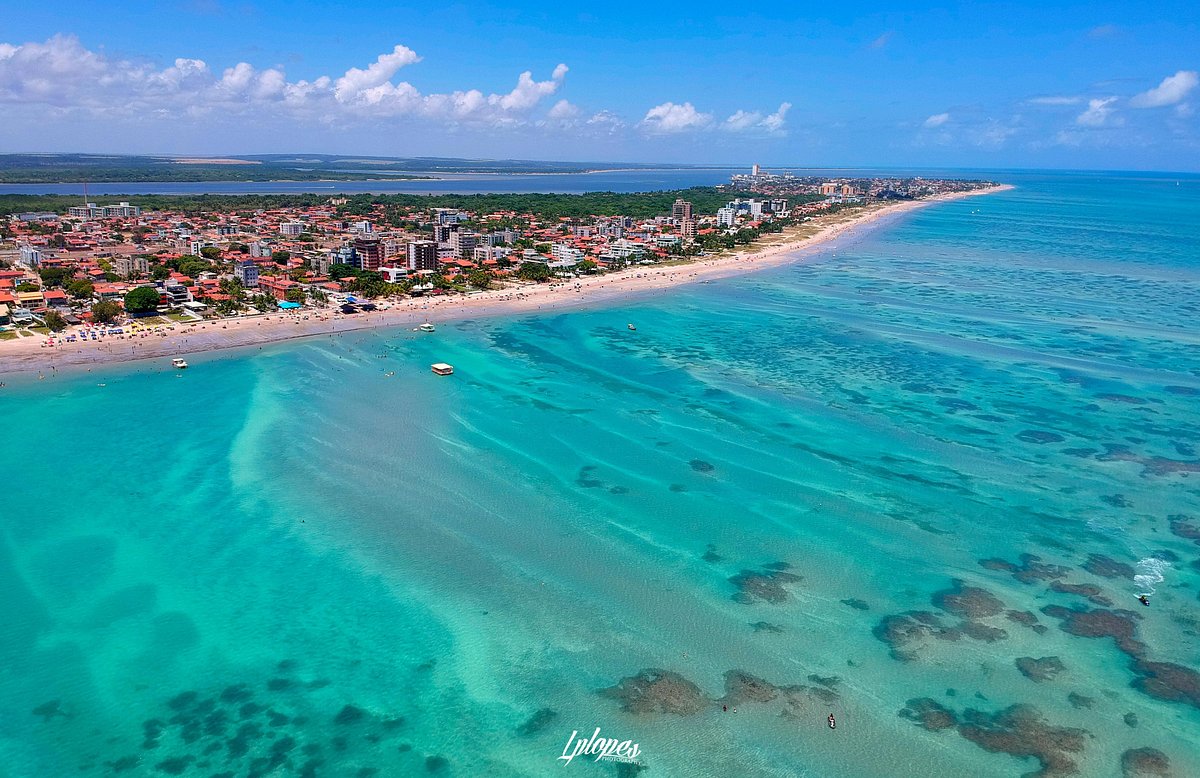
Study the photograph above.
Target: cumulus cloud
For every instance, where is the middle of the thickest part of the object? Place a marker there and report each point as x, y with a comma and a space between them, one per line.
563, 110
356, 81
751, 121
1098, 112
937, 120
671, 117
62, 74
1171, 90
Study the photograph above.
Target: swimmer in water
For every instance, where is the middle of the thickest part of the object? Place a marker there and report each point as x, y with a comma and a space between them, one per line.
1142, 599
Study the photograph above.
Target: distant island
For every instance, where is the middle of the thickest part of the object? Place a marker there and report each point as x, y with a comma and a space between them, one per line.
262, 168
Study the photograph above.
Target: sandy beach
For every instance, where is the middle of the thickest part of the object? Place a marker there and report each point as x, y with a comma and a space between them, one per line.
34, 354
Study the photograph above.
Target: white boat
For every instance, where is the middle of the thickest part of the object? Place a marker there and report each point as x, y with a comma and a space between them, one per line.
630, 326
178, 363
441, 368
426, 327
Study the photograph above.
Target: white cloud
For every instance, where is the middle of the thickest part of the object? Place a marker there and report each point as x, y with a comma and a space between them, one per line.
751, 121
882, 40
1098, 112
1171, 90
62, 74
672, 117
528, 92
379, 72
563, 110
937, 120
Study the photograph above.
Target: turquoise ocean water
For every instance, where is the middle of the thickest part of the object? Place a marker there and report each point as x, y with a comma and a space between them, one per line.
909, 482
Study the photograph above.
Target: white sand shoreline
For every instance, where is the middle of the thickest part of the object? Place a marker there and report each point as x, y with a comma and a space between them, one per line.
30, 354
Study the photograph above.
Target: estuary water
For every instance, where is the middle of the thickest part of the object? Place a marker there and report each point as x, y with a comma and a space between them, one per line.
915, 482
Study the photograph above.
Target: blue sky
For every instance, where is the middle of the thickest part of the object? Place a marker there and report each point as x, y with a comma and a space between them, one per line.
1017, 84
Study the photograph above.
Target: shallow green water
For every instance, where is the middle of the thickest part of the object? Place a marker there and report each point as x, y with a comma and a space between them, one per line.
285, 560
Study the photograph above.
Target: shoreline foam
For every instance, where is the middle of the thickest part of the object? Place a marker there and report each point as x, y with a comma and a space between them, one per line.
31, 354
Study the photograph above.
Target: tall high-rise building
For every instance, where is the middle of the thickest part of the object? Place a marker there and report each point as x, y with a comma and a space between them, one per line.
369, 252
681, 210
464, 242
756, 170
422, 255
688, 229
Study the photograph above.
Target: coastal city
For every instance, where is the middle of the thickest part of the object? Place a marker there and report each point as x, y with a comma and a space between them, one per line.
103, 270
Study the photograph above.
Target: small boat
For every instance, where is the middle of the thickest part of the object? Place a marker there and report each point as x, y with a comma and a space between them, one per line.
832, 722
426, 327
178, 363
441, 368
630, 326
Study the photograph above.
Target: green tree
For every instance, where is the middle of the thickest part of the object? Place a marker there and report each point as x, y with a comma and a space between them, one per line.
587, 266
295, 295
27, 287
211, 253
160, 272
281, 257
55, 321
80, 288
263, 302
143, 299
480, 279
542, 248
105, 311
52, 276
534, 271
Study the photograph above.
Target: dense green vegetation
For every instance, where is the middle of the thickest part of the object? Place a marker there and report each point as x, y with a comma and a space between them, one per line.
639, 205
142, 299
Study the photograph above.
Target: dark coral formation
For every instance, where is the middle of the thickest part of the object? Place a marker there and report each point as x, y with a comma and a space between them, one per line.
856, 604
661, 691
1168, 681
742, 687
1040, 436
1182, 526
700, 466
930, 714
711, 556
1120, 625
1018, 730
537, 722
1025, 618
766, 585
1030, 569
766, 626
1040, 670
241, 730
1144, 763
968, 602
658, 691
1080, 702
901, 630
1106, 567
1090, 591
